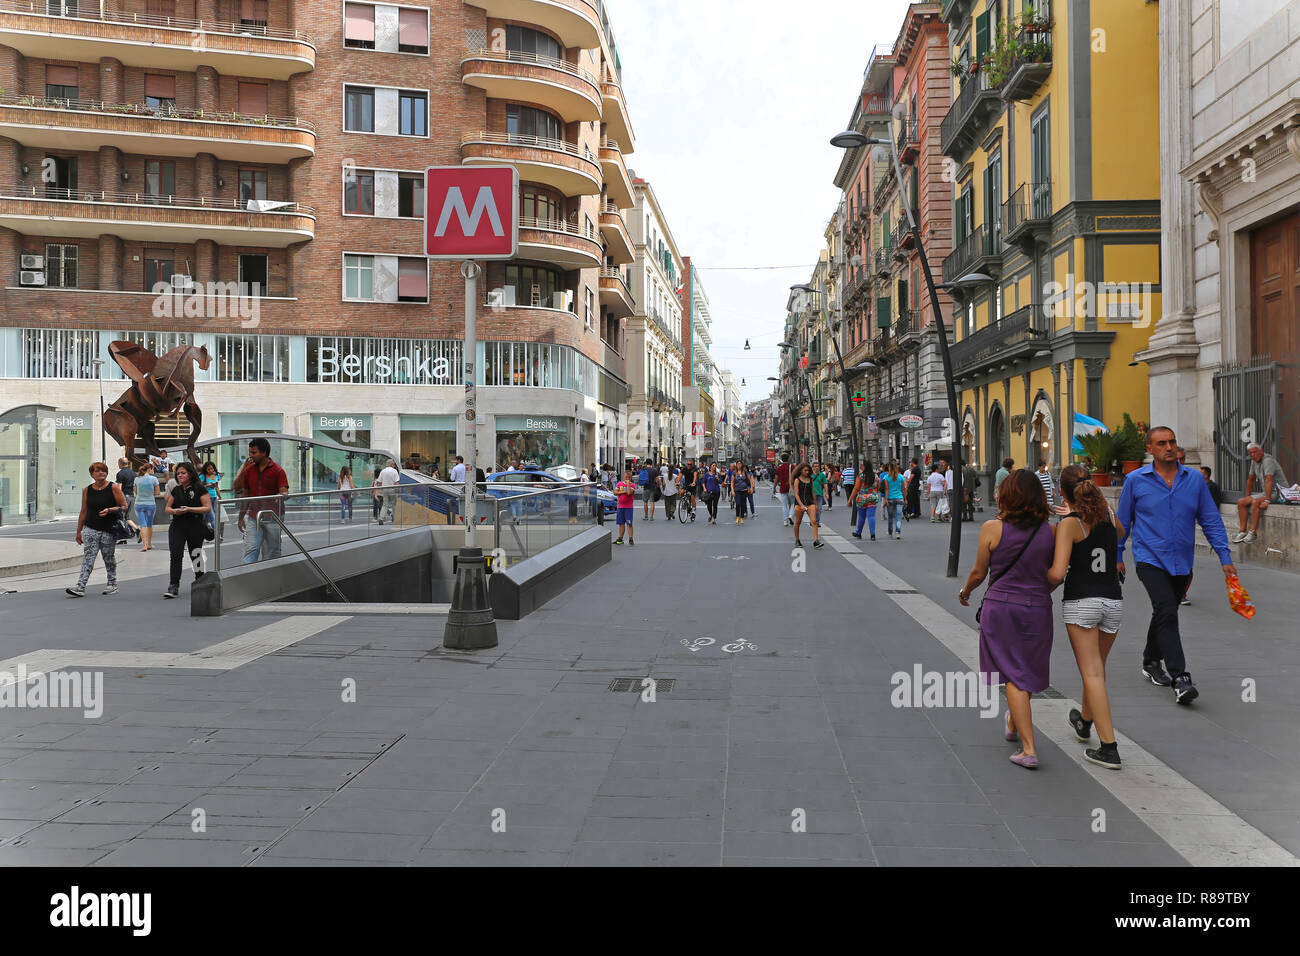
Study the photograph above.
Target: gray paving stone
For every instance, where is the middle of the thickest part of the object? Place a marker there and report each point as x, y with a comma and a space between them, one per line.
645, 854
1100, 853
958, 836
460, 836
353, 820
648, 829
935, 856
329, 845
81, 836
797, 846
668, 808
494, 858
179, 853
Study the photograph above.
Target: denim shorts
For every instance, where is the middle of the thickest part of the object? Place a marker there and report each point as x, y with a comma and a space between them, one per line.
145, 513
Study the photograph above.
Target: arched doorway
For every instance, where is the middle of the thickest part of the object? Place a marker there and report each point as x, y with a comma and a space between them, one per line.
995, 439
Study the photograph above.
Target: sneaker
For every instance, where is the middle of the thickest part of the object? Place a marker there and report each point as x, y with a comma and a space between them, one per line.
798, 544
618, 540
631, 543
1239, 537
1028, 761
1107, 755
111, 589
1250, 536
819, 543
1082, 728
1185, 601
873, 537
75, 591
1184, 690
172, 591
856, 535
1155, 673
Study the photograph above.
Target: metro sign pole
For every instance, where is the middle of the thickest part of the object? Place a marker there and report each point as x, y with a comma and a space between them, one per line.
471, 212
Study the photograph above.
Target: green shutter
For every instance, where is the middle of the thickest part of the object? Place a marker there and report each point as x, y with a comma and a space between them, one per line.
981, 36
882, 313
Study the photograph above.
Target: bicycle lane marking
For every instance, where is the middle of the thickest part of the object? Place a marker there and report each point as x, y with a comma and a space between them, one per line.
1195, 825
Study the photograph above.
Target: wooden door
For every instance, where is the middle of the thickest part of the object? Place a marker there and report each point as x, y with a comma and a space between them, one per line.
1275, 326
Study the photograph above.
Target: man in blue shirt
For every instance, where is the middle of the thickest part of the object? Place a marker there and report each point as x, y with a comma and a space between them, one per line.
1160, 506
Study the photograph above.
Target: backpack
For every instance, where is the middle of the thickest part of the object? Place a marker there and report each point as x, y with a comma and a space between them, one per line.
643, 478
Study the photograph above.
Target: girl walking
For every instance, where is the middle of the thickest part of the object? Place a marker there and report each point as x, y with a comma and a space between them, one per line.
740, 489
864, 497
102, 503
188, 502
712, 492
805, 501
212, 482
1016, 550
892, 486
1087, 561
347, 486
146, 503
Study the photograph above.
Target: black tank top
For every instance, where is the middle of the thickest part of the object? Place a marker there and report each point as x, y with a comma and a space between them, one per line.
97, 501
805, 492
1093, 568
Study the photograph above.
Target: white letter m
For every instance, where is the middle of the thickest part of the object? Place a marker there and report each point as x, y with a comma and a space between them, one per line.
455, 202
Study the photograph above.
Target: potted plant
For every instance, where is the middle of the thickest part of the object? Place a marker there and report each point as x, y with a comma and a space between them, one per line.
1100, 447
1130, 445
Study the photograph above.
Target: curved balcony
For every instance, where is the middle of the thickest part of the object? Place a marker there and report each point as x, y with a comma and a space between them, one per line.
39, 210
563, 87
133, 128
618, 184
618, 122
574, 22
558, 242
615, 293
168, 43
618, 242
550, 162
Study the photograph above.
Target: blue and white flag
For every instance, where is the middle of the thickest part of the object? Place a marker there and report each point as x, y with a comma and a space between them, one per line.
1083, 425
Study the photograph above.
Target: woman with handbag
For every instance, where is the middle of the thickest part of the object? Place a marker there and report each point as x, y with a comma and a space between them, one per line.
1015, 551
864, 497
146, 503
102, 506
188, 502
212, 481
347, 486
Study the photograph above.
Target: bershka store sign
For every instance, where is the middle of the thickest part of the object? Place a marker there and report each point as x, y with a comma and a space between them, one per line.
73, 421
421, 367
359, 423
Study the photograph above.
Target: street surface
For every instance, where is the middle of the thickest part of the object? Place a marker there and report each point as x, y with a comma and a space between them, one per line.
778, 742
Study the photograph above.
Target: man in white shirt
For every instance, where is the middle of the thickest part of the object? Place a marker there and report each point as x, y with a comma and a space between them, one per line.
458, 470
386, 490
936, 488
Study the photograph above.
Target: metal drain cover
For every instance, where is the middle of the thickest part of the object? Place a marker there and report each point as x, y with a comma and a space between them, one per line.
662, 685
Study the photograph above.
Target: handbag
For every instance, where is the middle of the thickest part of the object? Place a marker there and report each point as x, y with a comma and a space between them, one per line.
1033, 534
122, 531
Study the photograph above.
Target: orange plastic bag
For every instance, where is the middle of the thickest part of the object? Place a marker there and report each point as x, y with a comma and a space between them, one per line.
1239, 598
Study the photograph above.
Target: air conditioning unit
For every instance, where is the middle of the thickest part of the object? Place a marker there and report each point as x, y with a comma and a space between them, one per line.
31, 278
34, 262
182, 282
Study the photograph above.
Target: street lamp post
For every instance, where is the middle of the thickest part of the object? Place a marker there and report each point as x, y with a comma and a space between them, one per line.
99, 365
852, 139
844, 376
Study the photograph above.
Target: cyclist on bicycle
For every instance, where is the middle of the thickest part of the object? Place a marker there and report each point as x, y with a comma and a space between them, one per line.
690, 479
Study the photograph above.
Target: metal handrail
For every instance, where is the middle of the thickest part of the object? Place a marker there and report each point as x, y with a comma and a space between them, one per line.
34, 8
52, 193
523, 139
162, 112
329, 582
554, 225
531, 59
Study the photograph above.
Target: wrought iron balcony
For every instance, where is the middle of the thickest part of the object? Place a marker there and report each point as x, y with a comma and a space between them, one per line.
1031, 60
1015, 337
1028, 213
976, 104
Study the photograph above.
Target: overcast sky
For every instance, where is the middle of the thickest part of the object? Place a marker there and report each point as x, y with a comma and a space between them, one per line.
733, 103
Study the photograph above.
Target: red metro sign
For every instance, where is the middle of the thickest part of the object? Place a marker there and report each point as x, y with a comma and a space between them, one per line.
471, 212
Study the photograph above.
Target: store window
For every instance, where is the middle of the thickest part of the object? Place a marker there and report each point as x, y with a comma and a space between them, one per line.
536, 440
429, 442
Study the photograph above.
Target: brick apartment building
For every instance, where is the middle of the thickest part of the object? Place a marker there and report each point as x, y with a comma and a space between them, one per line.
279, 147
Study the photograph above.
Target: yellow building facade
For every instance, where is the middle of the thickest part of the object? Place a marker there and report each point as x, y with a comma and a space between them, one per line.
1052, 142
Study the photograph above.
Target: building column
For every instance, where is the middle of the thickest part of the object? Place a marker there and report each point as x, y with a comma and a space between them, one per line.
110, 263
11, 69
1069, 399
1007, 450
110, 169
1172, 351
205, 175
1031, 452
1056, 415
205, 261
111, 80
207, 90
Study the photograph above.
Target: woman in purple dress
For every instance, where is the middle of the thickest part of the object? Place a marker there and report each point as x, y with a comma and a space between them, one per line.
1015, 551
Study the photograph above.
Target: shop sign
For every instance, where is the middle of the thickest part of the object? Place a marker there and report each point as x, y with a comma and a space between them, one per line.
540, 423
359, 423
911, 421
73, 421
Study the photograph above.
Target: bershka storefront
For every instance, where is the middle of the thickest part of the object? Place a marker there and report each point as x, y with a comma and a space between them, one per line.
542, 440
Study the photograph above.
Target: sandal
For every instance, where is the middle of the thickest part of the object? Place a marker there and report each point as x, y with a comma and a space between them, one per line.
1022, 759
1009, 733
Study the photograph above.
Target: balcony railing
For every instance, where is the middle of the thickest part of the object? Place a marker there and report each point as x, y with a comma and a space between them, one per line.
1017, 330
973, 104
904, 324
957, 263
896, 404
529, 142
533, 59
1030, 56
50, 191
88, 11
164, 112
1029, 206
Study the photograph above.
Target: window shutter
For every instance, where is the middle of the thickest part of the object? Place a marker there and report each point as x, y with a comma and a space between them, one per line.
163, 87
359, 22
412, 27
882, 313
252, 98
981, 36
412, 277
61, 75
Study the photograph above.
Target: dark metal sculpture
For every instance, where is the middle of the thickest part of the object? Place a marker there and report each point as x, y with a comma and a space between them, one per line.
159, 387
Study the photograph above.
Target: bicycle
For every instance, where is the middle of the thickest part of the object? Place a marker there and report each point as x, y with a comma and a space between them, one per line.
684, 507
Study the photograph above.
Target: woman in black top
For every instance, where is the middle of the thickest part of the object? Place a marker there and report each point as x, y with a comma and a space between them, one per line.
102, 503
188, 502
1087, 561
741, 486
801, 486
